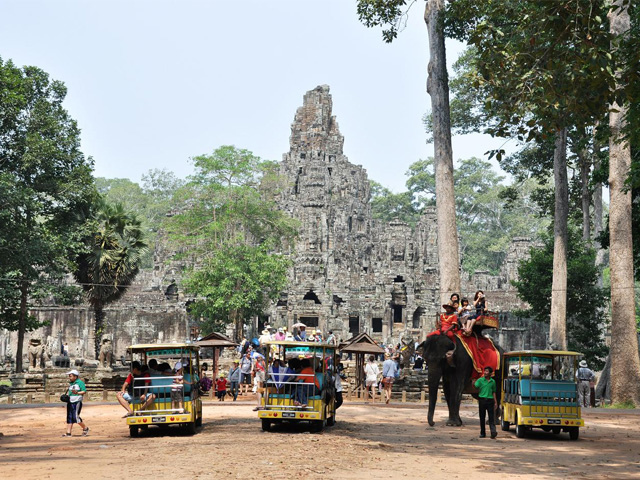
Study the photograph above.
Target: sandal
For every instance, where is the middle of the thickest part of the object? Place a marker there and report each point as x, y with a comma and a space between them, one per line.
127, 415
85, 432
66, 435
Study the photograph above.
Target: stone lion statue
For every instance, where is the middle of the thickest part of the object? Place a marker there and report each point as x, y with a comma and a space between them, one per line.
105, 357
36, 353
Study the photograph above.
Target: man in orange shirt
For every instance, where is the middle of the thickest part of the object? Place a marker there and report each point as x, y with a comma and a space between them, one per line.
309, 386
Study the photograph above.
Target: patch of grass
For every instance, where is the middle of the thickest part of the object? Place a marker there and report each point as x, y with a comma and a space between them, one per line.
621, 406
5, 383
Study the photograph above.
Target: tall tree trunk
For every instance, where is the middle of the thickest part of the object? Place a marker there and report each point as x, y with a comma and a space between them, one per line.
438, 89
22, 323
585, 165
98, 328
597, 225
558, 326
625, 364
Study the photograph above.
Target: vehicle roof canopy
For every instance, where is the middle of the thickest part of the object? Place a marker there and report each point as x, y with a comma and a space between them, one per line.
150, 347
550, 353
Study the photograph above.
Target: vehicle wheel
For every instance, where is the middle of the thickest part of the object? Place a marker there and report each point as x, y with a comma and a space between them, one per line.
266, 425
331, 421
520, 429
556, 430
133, 432
190, 428
574, 432
504, 425
317, 426
199, 421
546, 429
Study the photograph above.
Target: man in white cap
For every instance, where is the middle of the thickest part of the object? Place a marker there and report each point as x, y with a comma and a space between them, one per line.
585, 376
76, 392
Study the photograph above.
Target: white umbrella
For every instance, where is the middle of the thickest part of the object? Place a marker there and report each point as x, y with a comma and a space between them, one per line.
298, 325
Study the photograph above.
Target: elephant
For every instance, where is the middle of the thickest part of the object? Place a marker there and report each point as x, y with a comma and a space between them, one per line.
448, 359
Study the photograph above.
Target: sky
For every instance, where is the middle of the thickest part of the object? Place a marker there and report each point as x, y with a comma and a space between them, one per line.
153, 83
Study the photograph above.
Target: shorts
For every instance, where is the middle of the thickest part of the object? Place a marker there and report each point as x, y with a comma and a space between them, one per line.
260, 376
245, 378
176, 395
388, 381
221, 393
73, 412
369, 383
127, 397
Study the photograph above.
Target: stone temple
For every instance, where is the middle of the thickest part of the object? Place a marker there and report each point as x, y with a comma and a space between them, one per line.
352, 273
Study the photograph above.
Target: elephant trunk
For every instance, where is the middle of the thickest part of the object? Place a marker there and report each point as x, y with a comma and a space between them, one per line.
435, 373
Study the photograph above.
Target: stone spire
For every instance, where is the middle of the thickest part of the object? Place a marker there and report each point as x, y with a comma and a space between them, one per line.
314, 130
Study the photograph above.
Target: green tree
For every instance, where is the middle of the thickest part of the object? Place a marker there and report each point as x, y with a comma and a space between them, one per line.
107, 266
387, 206
149, 202
44, 180
230, 230
586, 301
488, 219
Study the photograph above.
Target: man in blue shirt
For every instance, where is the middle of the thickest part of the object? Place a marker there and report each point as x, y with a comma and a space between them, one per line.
487, 401
389, 373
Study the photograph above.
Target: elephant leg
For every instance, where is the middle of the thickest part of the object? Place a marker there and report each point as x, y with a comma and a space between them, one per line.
434, 379
456, 389
446, 388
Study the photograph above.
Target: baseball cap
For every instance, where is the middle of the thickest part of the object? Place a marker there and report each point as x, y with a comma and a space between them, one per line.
73, 372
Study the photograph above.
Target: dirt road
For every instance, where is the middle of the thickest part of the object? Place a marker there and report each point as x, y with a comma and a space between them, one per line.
380, 442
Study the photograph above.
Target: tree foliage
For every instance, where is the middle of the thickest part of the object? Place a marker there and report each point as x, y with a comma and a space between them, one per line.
586, 302
44, 180
114, 246
230, 230
149, 202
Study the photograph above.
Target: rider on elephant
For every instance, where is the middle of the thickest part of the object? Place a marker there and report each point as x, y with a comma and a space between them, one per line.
448, 321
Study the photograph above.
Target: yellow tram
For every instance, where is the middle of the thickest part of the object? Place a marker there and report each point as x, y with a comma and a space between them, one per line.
540, 391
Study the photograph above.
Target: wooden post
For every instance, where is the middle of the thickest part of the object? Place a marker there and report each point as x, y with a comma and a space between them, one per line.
404, 396
10, 400
29, 398
422, 396
47, 398
105, 395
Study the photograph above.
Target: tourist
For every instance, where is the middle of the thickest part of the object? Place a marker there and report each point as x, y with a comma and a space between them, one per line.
338, 385
419, 363
331, 339
480, 304
466, 317
245, 372
234, 379
585, 377
206, 383
177, 390
296, 334
127, 393
277, 372
76, 391
389, 370
264, 337
371, 372
455, 298
259, 375
487, 401
154, 370
280, 335
221, 387
309, 386
303, 333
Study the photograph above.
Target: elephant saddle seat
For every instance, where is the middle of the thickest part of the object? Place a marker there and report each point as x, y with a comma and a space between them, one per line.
482, 351
488, 320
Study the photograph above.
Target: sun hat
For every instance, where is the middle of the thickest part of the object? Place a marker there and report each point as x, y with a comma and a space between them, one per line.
73, 372
448, 305
178, 366
583, 363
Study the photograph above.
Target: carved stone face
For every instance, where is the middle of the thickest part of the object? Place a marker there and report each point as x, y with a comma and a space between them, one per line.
106, 341
35, 342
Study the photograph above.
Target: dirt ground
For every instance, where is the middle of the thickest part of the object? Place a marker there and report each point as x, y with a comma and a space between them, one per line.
366, 442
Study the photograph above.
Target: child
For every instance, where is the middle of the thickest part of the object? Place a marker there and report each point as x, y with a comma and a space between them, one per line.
176, 390
221, 388
465, 317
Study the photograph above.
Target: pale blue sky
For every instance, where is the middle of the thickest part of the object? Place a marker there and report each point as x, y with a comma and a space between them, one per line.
153, 83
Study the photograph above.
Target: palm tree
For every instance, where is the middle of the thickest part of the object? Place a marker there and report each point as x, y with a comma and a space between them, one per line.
115, 246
